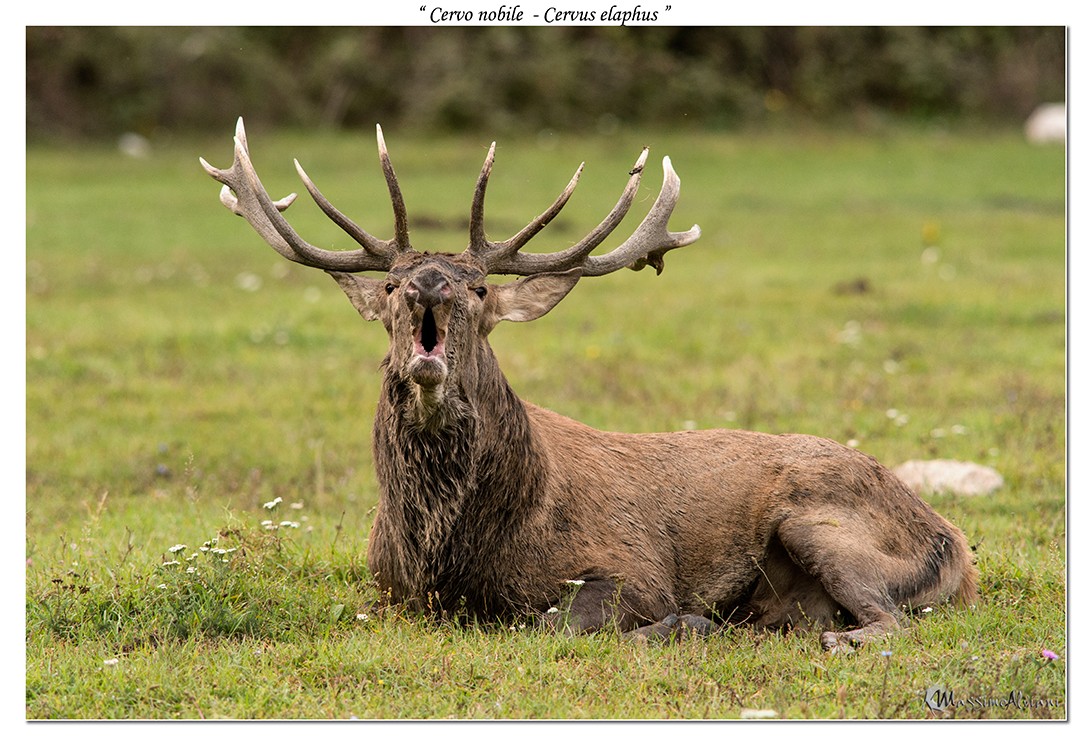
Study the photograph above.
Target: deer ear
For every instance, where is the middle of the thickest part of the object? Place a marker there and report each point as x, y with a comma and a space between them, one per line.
534, 296
364, 293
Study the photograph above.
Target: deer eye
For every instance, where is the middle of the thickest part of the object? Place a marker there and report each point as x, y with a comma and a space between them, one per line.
481, 291
390, 287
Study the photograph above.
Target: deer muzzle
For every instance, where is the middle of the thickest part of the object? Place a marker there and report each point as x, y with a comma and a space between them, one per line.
427, 295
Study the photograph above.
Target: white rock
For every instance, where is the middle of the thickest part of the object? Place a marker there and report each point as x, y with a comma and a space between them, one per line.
1047, 123
949, 477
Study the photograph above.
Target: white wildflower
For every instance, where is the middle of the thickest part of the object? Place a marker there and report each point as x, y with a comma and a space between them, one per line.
296, 505
272, 505
172, 563
248, 282
362, 616
191, 570
850, 333
553, 609
177, 548
576, 582
288, 524
161, 587
758, 714
110, 662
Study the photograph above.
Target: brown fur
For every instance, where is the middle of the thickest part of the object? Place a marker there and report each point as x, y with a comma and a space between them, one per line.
489, 504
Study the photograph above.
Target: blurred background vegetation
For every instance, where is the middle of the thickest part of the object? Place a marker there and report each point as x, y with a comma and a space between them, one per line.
99, 82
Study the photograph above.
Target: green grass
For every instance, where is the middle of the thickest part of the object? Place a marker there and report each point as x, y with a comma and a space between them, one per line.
180, 375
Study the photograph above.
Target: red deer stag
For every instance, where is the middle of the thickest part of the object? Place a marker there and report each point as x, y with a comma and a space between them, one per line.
489, 505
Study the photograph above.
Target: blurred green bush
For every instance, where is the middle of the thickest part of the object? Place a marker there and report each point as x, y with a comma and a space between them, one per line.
102, 81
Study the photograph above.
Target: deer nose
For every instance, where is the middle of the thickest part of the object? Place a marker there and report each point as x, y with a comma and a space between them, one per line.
429, 289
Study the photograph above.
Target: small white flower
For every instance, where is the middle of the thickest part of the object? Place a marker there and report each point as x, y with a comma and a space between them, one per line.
553, 609
272, 505
161, 587
288, 524
853, 443
296, 505
248, 282
172, 563
576, 582
191, 570
110, 662
177, 548
926, 609
361, 616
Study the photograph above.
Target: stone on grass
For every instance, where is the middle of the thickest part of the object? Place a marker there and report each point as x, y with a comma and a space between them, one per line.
949, 477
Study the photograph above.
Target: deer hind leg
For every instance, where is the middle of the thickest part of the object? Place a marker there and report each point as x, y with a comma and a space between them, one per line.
854, 574
786, 597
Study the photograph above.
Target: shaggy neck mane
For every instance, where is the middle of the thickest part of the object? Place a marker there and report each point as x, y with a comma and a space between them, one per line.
460, 483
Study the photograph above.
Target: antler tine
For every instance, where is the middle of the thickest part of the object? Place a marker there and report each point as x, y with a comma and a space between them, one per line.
401, 219
478, 243
237, 195
494, 252
244, 195
374, 246
578, 255
651, 240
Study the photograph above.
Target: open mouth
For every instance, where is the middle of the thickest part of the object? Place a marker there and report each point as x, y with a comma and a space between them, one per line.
428, 341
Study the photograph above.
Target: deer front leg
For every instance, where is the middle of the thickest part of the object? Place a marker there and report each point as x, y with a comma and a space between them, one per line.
673, 627
604, 603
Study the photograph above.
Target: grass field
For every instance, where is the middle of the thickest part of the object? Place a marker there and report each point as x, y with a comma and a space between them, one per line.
904, 291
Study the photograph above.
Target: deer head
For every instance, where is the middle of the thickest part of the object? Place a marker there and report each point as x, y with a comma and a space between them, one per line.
438, 309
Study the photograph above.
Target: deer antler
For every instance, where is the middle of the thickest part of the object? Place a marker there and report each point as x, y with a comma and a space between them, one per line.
644, 247
244, 195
